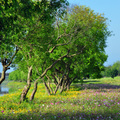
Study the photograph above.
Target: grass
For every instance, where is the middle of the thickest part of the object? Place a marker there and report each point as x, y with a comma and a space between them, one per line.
96, 100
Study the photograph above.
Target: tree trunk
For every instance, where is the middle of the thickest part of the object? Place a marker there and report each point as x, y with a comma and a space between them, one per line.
27, 87
47, 88
34, 91
6, 65
62, 87
3, 74
50, 87
68, 85
55, 81
58, 85
49, 84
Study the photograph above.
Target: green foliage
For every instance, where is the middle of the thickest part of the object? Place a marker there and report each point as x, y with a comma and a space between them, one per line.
86, 33
70, 44
112, 71
116, 65
18, 75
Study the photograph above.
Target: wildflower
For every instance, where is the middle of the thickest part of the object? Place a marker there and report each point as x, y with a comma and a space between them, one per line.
2, 111
80, 117
64, 110
97, 116
52, 104
99, 105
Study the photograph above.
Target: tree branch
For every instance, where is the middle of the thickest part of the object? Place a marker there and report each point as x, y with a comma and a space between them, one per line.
12, 57
77, 53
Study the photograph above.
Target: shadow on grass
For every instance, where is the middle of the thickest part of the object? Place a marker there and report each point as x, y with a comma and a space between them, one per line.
95, 86
61, 116
88, 81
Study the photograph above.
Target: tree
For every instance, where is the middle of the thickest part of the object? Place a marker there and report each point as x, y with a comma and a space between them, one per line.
12, 14
35, 39
116, 66
8, 17
114, 73
63, 50
82, 34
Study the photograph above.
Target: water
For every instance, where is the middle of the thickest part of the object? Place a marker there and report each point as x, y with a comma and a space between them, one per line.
3, 88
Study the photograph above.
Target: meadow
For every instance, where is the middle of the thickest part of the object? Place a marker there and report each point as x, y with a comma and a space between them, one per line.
97, 99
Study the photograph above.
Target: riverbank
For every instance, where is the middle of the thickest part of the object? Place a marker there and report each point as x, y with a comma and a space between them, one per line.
78, 103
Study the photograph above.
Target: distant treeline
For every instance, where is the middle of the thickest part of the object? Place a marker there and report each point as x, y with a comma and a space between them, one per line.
112, 70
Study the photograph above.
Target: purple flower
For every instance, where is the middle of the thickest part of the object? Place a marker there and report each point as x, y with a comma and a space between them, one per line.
64, 110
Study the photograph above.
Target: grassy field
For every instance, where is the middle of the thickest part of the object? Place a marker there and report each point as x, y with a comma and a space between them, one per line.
96, 100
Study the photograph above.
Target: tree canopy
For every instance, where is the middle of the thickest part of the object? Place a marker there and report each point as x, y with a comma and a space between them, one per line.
55, 44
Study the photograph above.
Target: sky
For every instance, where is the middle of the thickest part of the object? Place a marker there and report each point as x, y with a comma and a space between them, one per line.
111, 10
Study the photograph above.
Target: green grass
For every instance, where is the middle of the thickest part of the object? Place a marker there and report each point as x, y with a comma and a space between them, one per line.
88, 102
108, 80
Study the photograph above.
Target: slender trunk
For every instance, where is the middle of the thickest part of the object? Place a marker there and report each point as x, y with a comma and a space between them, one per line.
49, 84
34, 91
55, 81
27, 87
6, 65
58, 85
50, 87
47, 88
68, 85
3, 74
62, 87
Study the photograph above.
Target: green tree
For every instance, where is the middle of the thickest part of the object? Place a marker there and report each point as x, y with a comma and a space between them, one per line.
114, 73
109, 70
82, 34
66, 49
12, 14
36, 37
8, 17
116, 65
22, 20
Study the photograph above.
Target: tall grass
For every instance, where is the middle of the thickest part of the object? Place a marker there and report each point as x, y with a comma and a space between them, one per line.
80, 103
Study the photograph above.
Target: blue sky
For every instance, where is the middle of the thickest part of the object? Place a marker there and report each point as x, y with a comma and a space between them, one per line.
111, 10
